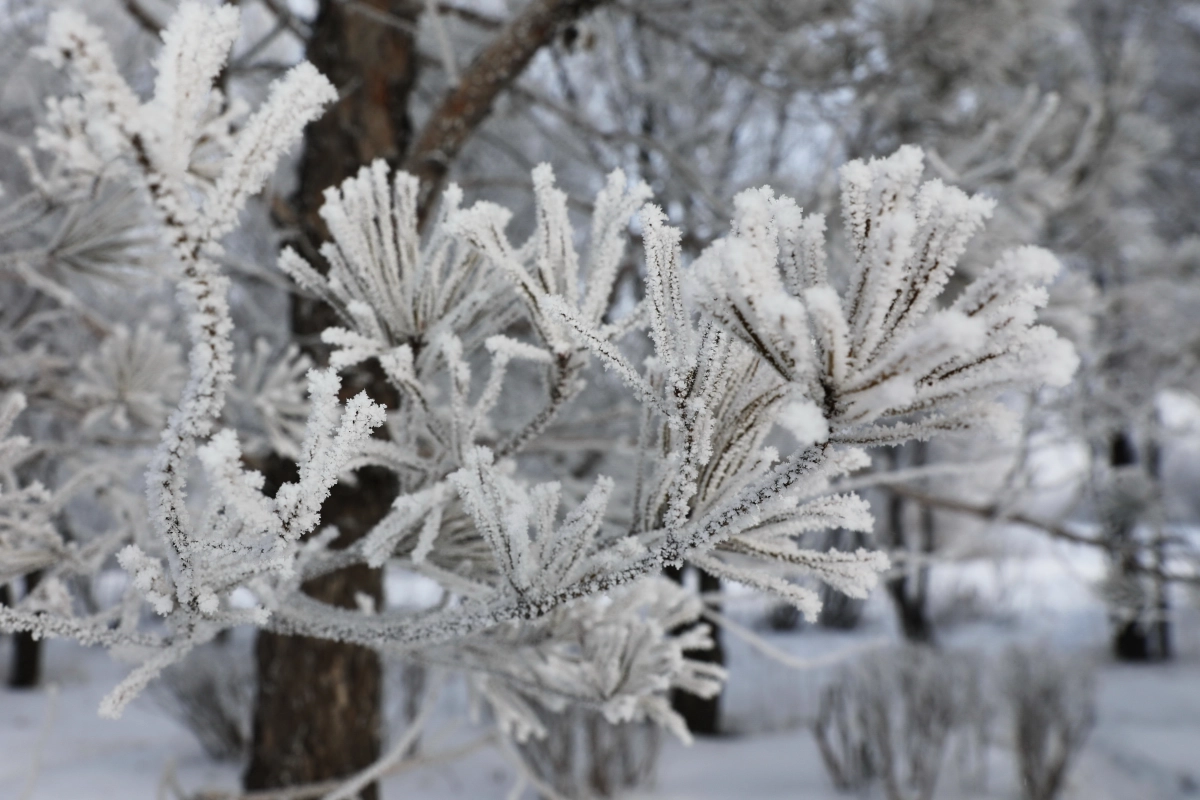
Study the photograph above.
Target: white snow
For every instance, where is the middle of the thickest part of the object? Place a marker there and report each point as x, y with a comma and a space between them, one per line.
53, 746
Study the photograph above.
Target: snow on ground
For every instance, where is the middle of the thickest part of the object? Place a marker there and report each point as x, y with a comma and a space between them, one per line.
53, 746
1146, 744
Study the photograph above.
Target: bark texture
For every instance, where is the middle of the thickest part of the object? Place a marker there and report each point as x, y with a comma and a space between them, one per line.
318, 711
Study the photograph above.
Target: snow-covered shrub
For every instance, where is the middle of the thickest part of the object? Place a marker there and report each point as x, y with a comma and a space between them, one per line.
552, 595
893, 717
1053, 706
977, 708
584, 756
842, 731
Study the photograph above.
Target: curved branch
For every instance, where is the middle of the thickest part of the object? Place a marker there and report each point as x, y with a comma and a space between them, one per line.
466, 106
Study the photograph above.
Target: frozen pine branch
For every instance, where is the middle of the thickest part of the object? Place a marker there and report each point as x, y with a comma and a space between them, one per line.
551, 594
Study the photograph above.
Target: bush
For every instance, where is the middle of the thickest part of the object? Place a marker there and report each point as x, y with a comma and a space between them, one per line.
841, 730
1054, 708
585, 756
893, 716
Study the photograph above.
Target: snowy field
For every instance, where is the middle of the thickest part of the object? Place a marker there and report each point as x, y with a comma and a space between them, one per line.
1145, 746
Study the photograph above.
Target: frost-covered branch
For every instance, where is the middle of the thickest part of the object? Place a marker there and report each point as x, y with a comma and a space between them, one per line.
551, 594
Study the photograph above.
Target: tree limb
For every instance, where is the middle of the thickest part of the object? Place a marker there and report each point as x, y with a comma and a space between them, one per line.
468, 104
993, 513
147, 21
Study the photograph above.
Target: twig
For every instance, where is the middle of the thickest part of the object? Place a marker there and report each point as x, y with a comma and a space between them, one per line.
259, 46
285, 15
382, 17
443, 40
470, 16
678, 161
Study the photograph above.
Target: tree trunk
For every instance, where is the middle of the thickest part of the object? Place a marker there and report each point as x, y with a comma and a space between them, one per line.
317, 713
702, 714
26, 669
1133, 636
1162, 600
909, 590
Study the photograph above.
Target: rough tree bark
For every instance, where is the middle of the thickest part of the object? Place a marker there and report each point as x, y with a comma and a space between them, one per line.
318, 709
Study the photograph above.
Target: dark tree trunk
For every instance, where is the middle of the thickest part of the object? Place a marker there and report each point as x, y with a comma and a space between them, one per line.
1133, 636
317, 713
26, 669
702, 714
1162, 599
1131, 641
909, 590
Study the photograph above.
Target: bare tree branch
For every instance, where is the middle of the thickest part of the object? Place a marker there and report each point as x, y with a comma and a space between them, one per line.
144, 18
495, 68
993, 513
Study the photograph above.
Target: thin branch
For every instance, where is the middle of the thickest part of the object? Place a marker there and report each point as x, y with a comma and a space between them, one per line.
995, 514
493, 71
445, 49
470, 16
678, 161
147, 21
